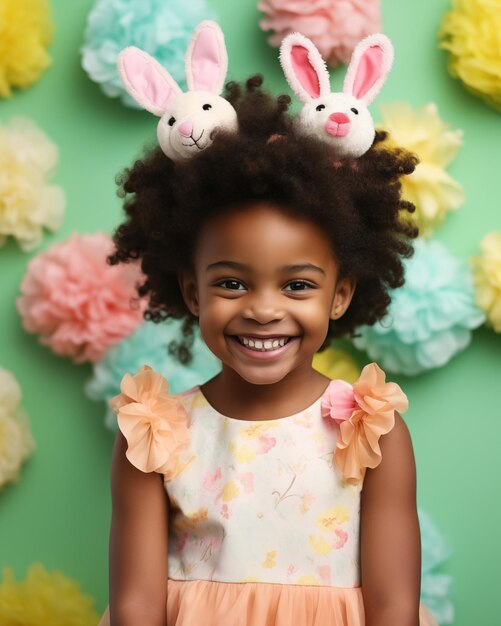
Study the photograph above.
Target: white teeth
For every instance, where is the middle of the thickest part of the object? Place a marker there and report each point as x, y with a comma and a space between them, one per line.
267, 344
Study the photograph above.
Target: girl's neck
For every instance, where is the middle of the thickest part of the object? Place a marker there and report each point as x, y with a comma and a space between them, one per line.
233, 396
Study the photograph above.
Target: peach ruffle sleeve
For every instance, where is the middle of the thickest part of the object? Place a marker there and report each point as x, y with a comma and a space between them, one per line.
364, 411
154, 423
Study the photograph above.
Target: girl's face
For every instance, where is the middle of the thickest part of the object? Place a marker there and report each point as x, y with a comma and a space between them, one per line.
264, 288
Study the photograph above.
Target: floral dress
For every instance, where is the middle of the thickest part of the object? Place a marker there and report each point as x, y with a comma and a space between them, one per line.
264, 515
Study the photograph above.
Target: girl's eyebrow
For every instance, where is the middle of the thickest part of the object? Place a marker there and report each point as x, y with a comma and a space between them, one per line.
233, 265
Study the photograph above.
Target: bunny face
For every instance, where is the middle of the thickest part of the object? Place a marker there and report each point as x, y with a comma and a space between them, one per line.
341, 119
189, 120
190, 123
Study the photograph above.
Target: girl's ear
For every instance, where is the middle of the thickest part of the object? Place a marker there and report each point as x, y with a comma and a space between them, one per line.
189, 291
345, 289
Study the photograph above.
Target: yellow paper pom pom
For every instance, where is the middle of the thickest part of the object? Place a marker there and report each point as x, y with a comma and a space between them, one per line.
335, 363
430, 188
16, 441
25, 31
28, 204
487, 278
44, 599
471, 32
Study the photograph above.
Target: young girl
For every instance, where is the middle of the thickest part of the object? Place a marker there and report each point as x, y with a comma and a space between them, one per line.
270, 495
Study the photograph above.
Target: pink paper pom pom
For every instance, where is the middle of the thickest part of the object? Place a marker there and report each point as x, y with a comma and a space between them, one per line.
78, 304
334, 26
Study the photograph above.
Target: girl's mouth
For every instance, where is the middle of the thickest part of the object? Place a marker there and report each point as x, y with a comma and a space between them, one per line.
262, 347
263, 344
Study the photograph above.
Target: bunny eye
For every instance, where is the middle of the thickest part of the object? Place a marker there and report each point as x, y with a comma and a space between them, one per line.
354, 110
207, 107
320, 107
171, 121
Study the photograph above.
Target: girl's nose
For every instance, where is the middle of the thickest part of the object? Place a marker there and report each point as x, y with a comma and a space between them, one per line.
263, 310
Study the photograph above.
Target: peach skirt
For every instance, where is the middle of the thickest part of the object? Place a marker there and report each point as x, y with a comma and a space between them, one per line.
264, 604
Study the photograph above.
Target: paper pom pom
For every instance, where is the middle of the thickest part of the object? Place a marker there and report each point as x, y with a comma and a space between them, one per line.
430, 318
44, 599
487, 279
435, 588
16, 441
27, 203
335, 364
163, 29
149, 344
77, 304
429, 187
334, 26
471, 34
25, 31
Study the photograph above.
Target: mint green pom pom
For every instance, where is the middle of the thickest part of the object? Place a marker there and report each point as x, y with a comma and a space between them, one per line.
163, 28
430, 318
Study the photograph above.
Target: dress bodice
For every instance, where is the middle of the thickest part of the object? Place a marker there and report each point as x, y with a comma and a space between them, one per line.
262, 501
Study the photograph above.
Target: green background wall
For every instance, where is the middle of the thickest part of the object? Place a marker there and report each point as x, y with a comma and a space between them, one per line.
59, 512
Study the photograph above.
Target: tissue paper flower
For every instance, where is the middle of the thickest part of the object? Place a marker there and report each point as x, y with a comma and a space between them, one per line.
78, 304
44, 599
430, 318
16, 441
435, 588
28, 204
429, 187
25, 32
334, 26
149, 344
163, 29
487, 278
335, 363
471, 32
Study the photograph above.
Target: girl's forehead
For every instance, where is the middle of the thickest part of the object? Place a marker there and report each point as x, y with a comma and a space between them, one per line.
263, 234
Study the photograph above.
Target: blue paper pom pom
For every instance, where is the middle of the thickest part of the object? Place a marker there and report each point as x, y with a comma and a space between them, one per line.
430, 318
163, 28
148, 345
435, 587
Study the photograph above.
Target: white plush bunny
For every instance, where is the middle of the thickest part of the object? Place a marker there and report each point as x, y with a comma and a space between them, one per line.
341, 119
188, 121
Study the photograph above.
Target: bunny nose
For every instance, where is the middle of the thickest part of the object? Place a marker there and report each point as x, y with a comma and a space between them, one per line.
338, 125
186, 128
339, 118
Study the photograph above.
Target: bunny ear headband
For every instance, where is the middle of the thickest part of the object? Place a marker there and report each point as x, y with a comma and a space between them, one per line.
188, 120
341, 119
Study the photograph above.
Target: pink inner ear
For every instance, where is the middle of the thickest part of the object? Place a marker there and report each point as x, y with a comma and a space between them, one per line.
206, 62
150, 85
304, 71
368, 71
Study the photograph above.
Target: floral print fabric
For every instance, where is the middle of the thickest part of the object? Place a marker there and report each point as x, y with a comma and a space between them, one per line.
261, 501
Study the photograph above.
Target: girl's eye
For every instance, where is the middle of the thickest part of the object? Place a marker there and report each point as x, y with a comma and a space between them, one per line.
233, 285
320, 107
297, 285
207, 107
171, 121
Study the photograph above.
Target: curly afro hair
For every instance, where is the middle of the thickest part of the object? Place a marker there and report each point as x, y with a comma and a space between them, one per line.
357, 202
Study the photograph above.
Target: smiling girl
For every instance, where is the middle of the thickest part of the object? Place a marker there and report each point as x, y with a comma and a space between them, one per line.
270, 495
